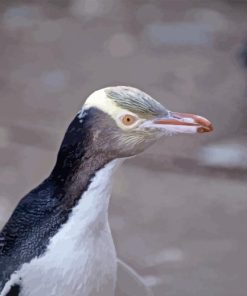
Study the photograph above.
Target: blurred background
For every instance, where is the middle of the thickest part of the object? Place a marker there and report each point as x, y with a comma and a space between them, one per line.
179, 211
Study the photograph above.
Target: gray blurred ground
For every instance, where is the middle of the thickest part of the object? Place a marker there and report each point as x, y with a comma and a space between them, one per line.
179, 211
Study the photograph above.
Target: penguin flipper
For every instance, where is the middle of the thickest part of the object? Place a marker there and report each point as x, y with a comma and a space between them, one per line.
129, 282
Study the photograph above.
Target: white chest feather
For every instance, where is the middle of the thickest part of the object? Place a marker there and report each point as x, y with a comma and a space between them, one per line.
80, 259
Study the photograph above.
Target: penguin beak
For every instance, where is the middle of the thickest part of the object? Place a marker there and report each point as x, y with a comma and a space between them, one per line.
183, 123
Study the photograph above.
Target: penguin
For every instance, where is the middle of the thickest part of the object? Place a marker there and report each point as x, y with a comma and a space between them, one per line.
58, 239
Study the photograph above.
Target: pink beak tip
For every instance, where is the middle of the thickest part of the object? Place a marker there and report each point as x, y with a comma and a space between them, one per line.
204, 125
205, 129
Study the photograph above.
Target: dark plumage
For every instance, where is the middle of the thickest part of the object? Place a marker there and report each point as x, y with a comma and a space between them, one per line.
14, 290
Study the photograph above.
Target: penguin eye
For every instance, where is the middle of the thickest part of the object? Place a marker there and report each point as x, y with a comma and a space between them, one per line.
128, 119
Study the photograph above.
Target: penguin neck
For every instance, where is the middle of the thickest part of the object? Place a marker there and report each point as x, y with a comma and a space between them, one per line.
94, 202
80, 167
87, 190
74, 178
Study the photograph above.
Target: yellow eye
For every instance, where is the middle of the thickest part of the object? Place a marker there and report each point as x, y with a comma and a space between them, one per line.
128, 119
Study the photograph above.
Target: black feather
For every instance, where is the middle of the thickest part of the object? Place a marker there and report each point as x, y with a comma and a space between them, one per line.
14, 290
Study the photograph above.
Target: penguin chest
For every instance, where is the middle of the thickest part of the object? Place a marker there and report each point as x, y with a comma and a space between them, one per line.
80, 259
87, 269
